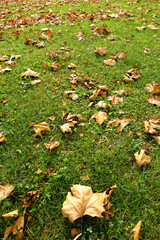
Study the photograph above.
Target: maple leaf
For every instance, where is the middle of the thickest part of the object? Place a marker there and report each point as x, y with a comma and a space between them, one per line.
131, 75
153, 88
38, 128
153, 100
11, 214
67, 126
99, 116
142, 158
16, 228
5, 190
135, 231
101, 51
28, 73
83, 202
110, 62
52, 144
2, 137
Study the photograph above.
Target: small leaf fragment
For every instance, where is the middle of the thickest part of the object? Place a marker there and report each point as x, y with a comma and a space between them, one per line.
2, 137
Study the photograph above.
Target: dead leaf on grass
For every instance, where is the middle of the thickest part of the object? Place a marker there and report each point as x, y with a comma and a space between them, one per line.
147, 50
121, 55
52, 144
55, 65
115, 99
141, 158
71, 66
3, 58
71, 94
99, 116
38, 128
29, 73
155, 100
40, 44
5, 69
152, 27
110, 62
157, 139
131, 75
150, 125
67, 126
80, 36
30, 41
153, 88
101, 51
140, 28
5, 190
32, 196
101, 104
52, 118
33, 83
16, 228
11, 214
2, 137
135, 231
123, 123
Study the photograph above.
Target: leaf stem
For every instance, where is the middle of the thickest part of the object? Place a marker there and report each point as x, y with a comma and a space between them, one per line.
81, 225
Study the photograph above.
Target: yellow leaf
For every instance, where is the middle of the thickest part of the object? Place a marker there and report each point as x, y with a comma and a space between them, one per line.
38, 128
5, 190
11, 214
142, 158
135, 232
99, 116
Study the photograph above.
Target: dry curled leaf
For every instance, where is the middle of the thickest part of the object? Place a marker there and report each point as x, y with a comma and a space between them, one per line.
3, 58
153, 88
52, 144
157, 139
71, 66
2, 137
150, 125
131, 75
101, 104
71, 94
121, 55
140, 28
101, 90
11, 214
6, 69
115, 99
152, 27
99, 116
52, 118
67, 126
74, 232
30, 41
47, 35
38, 128
35, 82
155, 100
141, 158
40, 44
135, 231
16, 228
5, 190
29, 73
80, 36
32, 196
55, 65
110, 62
101, 51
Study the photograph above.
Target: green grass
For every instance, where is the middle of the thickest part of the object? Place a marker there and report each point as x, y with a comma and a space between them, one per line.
107, 156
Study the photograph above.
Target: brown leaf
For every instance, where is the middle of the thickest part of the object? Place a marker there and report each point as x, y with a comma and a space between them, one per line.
38, 128
80, 36
5, 69
111, 37
123, 123
33, 196
147, 50
115, 99
35, 82
152, 27
71, 94
131, 75
3, 58
30, 41
71, 66
2, 137
11, 214
47, 36
110, 62
28, 73
135, 231
150, 125
52, 144
140, 28
101, 51
52, 118
83, 202
16, 228
154, 88
5, 190
40, 44
157, 139
101, 104
99, 116
153, 100
67, 126
85, 177
101, 90
74, 232
114, 122
121, 55
55, 65
142, 158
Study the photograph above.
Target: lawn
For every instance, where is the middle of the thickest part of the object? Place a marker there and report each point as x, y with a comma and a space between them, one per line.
77, 37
